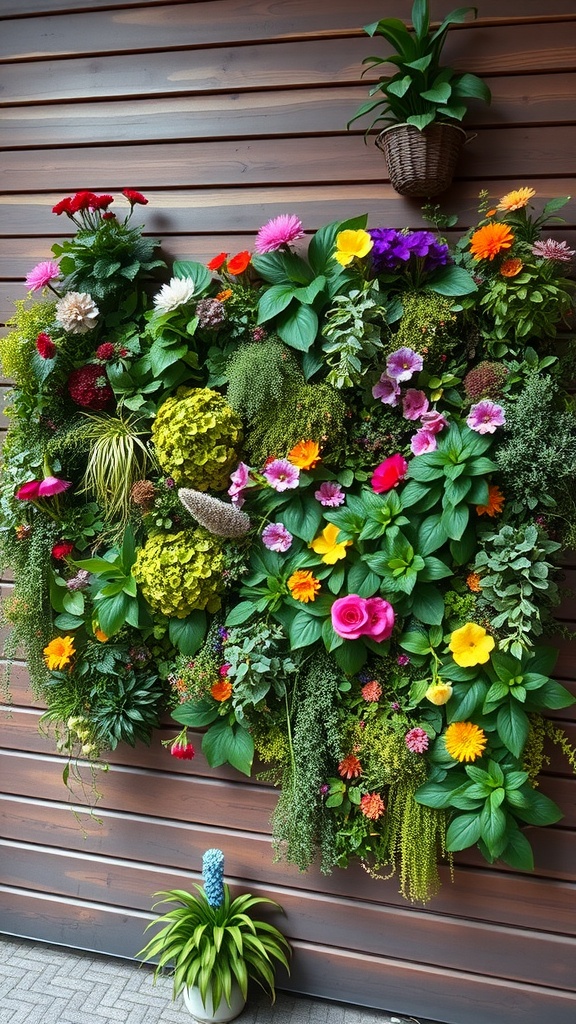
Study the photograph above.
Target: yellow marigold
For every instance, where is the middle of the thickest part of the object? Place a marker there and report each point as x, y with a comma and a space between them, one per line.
495, 502
471, 645
303, 586
473, 582
327, 545
439, 693
511, 267
465, 741
516, 199
223, 295
490, 240
350, 244
221, 690
305, 454
59, 652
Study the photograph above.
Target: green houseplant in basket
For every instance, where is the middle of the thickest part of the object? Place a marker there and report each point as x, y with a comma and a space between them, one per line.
421, 104
213, 945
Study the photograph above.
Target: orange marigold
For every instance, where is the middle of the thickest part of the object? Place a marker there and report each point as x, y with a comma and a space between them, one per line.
350, 767
305, 454
223, 295
473, 582
516, 199
221, 690
490, 240
465, 741
303, 586
511, 267
495, 502
372, 806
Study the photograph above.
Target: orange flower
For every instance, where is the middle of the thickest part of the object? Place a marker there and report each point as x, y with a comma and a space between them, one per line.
100, 635
495, 502
465, 741
59, 652
473, 582
372, 691
491, 213
305, 454
350, 767
490, 240
511, 267
238, 263
303, 586
222, 296
221, 690
372, 806
516, 199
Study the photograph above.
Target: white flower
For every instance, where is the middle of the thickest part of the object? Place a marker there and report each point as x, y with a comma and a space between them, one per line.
176, 293
77, 312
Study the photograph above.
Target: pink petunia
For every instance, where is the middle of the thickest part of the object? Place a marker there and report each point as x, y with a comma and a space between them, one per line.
485, 417
433, 421
422, 442
52, 485
278, 232
387, 390
276, 537
240, 480
403, 364
414, 404
330, 494
42, 274
389, 473
282, 475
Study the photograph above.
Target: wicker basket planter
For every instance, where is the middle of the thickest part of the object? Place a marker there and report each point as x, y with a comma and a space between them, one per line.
421, 163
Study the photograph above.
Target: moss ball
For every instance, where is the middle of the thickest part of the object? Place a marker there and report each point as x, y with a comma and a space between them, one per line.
180, 572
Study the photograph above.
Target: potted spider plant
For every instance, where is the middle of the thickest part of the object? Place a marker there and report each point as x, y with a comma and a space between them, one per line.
421, 104
213, 945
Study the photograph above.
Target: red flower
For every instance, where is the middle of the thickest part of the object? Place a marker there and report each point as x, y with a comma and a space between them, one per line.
350, 767
64, 206
101, 202
45, 346
238, 263
389, 473
217, 262
29, 491
83, 201
105, 351
372, 806
134, 197
183, 751
108, 215
62, 549
88, 386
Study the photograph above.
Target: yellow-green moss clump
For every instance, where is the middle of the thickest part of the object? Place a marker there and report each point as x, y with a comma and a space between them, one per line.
197, 436
18, 347
179, 572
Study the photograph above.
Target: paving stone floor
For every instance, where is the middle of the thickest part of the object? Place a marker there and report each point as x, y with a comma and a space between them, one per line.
45, 984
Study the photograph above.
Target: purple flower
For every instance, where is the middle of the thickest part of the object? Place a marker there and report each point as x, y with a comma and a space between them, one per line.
240, 479
433, 421
402, 660
42, 274
485, 416
414, 404
422, 442
282, 475
276, 537
278, 232
403, 363
330, 494
552, 250
80, 581
52, 485
393, 249
387, 390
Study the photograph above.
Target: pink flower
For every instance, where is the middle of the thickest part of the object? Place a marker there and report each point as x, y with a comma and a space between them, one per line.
417, 740
350, 616
278, 232
389, 473
42, 274
387, 390
52, 485
240, 479
183, 751
485, 416
276, 537
403, 363
433, 421
402, 660
330, 494
372, 691
45, 347
282, 475
380, 619
29, 491
552, 250
423, 441
414, 404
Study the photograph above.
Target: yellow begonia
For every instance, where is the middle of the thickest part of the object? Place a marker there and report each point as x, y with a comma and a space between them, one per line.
328, 546
471, 645
350, 244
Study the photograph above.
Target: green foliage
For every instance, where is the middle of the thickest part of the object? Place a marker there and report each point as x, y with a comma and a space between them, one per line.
180, 572
18, 347
104, 261
117, 458
429, 325
527, 306
353, 334
196, 436
313, 412
259, 376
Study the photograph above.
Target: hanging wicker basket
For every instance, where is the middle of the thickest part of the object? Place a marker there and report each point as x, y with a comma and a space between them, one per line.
421, 163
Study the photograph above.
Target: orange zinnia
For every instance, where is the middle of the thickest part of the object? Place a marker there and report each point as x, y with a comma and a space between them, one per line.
350, 767
303, 586
516, 199
305, 454
490, 240
511, 267
221, 690
495, 502
238, 263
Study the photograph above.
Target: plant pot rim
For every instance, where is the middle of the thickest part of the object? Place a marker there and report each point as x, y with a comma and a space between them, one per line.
405, 124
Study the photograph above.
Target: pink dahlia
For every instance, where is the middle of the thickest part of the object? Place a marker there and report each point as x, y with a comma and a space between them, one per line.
42, 274
276, 537
330, 494
417, 740
278, 232
282, 475
485, 416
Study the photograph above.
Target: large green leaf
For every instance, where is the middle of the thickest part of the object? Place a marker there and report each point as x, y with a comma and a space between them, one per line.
188, 634
274, 301
196, 713
463, 831
298, 327
112, 612
232, 744
513, 726
305, 630
196, 271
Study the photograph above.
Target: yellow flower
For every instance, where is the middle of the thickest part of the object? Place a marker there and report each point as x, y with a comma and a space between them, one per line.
303, 586
59, 652
305, 454
516, 199
439, 693
490, 240
350, 244
471, 645
327, 545
465, 741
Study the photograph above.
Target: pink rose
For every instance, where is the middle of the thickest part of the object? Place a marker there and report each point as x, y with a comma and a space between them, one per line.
349, 616
389, 473
380, 619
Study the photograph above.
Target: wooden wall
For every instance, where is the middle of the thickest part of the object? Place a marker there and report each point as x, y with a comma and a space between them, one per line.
225, 113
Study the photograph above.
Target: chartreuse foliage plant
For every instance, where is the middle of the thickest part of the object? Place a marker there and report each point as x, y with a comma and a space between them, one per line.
310, 499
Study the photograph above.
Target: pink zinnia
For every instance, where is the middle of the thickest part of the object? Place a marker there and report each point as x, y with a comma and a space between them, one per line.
330, 494
276, 537
485, 416
278, 232
552, 250
52, 485
417, 740
387, 390
42, 274
403, 364
422, 442
414, 404
282, 475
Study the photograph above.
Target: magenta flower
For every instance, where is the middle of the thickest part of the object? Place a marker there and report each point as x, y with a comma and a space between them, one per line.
330, 494
380, 619
240, 479
403, 364
52, 485
276, 537
387, 390
42, 274
402, 660
350, 616
282, 475
485, 416
389, 473
417, 740
433, 421
422, 442
29, 491
552, 250
278, 232
414, 404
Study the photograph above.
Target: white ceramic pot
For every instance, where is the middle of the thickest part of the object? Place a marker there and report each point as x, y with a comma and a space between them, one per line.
208, 1014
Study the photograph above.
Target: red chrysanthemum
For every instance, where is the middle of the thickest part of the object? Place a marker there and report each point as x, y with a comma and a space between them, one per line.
101, 202
64, 206
62, 549
83, 201
350, 767
134, 197
372, 806
45, 346
89, 387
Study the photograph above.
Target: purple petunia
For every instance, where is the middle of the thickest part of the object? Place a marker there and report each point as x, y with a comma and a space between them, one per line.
240, 480
387, 390
485, 416
282, 475
414, 404
276, 537
403, 364
330, 494
393, 249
